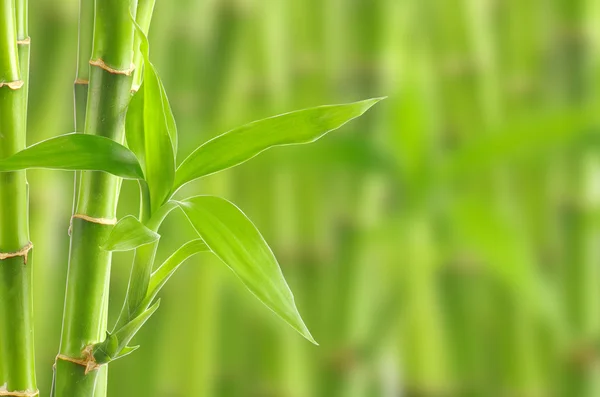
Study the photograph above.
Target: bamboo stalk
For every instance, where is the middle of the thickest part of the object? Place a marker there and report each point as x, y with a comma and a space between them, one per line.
17, 369
84, 51
84, 318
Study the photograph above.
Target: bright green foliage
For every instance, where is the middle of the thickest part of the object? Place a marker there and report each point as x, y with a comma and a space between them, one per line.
243, 143
77, 152
115, 345
233, 238
151, 131
148, 137
129, 234
169, 266
224, 230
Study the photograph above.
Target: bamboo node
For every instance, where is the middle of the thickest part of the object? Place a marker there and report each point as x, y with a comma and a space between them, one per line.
25, 41
99, 221
89, 362
20, 393
13, 85
82, 81
101, 64
24, 252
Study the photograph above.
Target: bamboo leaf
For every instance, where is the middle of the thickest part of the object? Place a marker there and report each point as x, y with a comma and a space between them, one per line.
129, 234
160, 159
79, 152
151, 131
233, 238
134, 126
161, 275
127, 350
241, 144
170, 119
127, 332
115, 344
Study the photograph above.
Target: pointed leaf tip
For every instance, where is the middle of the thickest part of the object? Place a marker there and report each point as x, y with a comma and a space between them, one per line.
243, 143
234, 239
128, 234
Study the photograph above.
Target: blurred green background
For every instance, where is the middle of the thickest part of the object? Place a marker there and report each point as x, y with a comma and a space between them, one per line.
445, 244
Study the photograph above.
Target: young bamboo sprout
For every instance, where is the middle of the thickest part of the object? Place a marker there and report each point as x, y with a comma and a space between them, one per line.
17, 371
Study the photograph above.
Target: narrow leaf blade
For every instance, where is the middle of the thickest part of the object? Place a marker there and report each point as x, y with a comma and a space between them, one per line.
233, 238
161, 275
158, 130
243, 143
170, 119
160, 159
79, 152
128, 234
134, 126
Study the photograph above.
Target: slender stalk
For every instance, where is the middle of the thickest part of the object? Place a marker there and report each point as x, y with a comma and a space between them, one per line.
84, 51
17, 370
84, 318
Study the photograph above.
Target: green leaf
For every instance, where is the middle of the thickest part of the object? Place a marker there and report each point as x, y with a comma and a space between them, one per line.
127, 332
129, 234
106, 350
79, 152
160, 159
127, 350
233, 238
134, 126
150, 131
170, 119
243, 143
115, 345
161, 275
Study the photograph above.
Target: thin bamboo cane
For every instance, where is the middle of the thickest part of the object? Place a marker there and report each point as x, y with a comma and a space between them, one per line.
84, 318
17, 369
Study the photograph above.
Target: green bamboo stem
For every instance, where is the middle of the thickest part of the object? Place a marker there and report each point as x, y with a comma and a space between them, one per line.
17, 370
23, 46
84, 51
84, 318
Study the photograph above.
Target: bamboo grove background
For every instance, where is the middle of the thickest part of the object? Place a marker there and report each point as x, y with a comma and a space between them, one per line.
444, 245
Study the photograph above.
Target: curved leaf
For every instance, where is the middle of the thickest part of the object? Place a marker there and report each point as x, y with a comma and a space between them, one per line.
79, 152
151, 130
128, 234
161, 275
115, 344
233, 238
160, 159
243, 143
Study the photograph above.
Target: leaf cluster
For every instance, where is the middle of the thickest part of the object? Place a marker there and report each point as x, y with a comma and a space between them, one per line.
223, 229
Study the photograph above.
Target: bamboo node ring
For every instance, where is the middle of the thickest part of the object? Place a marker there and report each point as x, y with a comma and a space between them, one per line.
23, 393
82, 81
22, 252
99, 221
25, 41
13, 85
88, 362
101, 64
